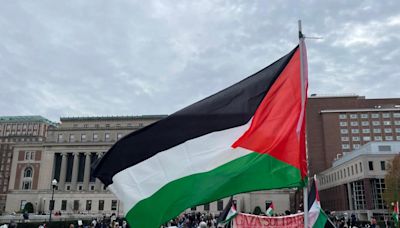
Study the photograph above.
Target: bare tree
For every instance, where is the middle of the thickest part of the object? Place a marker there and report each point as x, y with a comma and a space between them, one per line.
392, 182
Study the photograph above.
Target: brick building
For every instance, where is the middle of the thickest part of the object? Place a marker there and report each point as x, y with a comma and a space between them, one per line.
339, 124
16, 130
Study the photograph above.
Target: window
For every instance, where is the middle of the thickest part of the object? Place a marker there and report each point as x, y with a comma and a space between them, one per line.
378, 138
354, 123
356, 167
345, 131
207, 207
88, 205
387, 123
113, 205
27, 179
101, 205
388, 138
345, 139
85, 126
396, 114
345, 146
388, 130
60, 137
360, 167
119, 135
342, 116
107, 125
366, 131
364, 123
397, 130
63, 205
72, 138
356, 146
29, 155
371, 165
95, 137
377, 130
107, 136
353, 116
83, 137
193, 208
383, 166
355, 131
397, 122
374, 115
376, 123
96, 125
220, 205
356, 138
352, 170
386, 115
378, 187
366, 138
398, 137
358, 191
76, 205
384, 148
343, 124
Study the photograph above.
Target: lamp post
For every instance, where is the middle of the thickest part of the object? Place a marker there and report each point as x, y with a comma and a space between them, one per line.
54, 185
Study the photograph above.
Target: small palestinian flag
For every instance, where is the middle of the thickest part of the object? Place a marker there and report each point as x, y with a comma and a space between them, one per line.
248, 137
228, 213
395, 214
270, 209
316, 216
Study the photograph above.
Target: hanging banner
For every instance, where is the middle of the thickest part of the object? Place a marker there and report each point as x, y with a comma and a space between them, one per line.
255, 221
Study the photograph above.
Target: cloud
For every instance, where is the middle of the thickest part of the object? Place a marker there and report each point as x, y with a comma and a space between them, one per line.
131, 58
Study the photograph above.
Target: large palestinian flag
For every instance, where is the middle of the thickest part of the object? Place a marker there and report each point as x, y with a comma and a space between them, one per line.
250, 136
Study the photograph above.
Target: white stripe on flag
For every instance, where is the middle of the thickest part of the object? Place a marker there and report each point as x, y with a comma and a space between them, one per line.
196, 156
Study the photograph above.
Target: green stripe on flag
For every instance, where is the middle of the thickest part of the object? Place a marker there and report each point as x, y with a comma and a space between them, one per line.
321, 220
248, 173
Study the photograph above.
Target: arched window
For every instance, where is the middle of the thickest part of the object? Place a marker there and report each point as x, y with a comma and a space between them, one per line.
27, 178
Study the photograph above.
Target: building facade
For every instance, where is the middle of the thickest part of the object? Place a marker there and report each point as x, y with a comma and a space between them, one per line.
67, 155
355, 182
16, 130
337, 125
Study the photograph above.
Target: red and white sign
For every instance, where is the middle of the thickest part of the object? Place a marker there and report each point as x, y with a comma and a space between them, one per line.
255, 221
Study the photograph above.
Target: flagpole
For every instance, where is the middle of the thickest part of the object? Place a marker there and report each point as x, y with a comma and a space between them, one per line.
303, 97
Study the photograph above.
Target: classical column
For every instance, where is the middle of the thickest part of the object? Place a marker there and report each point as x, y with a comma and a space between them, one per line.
86, 175
63, 172
98, 185
75, 167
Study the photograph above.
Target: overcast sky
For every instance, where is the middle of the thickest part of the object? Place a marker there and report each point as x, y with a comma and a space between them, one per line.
101, 57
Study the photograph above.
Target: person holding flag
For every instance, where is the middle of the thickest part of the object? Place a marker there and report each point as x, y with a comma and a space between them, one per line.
395, 214
227, 214
317, 217
270, 209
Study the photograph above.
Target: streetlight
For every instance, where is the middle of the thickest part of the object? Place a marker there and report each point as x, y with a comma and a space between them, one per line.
54, 185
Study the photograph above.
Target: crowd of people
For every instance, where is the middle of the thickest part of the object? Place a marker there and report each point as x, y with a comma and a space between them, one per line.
194, 220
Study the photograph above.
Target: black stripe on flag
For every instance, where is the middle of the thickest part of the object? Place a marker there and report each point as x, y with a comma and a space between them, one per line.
312, 195
226, 109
